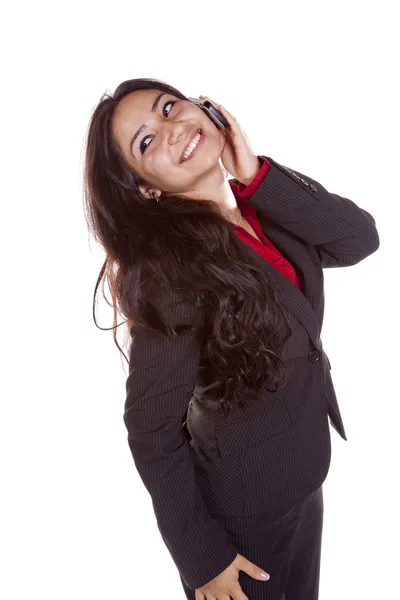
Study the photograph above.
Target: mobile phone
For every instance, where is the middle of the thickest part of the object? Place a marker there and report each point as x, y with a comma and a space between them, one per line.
213, 113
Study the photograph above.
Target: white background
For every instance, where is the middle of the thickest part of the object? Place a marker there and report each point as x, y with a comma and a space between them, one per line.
315, 86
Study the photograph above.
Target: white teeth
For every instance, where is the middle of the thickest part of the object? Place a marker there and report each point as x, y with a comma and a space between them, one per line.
191, 146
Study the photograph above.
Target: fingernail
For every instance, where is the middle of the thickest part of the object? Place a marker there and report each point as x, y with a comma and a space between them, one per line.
265, 575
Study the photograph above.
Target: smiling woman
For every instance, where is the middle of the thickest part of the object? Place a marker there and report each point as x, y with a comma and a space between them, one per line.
163, 127
137, 138
184, 252
228, 392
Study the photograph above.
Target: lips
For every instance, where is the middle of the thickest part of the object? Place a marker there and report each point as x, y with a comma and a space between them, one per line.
189, 139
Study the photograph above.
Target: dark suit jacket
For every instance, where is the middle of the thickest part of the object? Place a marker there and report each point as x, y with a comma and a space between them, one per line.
198, 465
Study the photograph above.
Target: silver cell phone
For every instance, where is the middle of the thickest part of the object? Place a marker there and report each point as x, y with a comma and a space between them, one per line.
211, 111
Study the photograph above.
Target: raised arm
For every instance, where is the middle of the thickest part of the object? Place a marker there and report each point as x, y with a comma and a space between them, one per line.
342, 232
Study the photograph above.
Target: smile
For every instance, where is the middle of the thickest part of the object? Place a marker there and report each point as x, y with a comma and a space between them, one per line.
193, 146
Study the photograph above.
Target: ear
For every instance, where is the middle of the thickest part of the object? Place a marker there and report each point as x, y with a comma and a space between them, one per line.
148, 191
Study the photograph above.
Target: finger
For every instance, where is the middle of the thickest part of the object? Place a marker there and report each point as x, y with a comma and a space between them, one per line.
220, 107
236, 593
226, 112
207, 98
206, 596
234, 128
212, 101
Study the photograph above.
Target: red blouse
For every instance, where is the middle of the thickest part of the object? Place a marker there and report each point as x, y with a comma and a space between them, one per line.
265, 248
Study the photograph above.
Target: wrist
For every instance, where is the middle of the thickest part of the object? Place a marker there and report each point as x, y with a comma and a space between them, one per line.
246, 181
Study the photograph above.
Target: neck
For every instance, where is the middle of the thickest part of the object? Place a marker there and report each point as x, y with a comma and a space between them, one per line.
216, 187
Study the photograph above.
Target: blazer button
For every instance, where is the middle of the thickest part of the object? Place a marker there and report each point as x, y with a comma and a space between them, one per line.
313, 187
314, 355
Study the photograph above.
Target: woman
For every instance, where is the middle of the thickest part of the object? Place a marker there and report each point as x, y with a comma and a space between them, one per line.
229, 393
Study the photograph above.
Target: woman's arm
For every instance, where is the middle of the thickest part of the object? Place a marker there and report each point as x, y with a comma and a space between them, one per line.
159, 386
342, 232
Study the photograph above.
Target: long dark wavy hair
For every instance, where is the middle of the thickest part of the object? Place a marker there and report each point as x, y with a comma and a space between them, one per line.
185, 245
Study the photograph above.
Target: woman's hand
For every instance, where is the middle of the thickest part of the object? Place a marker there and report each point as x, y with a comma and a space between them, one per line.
237, 155
226, 585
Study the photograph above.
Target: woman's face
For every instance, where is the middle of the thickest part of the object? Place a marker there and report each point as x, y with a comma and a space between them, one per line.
165, 130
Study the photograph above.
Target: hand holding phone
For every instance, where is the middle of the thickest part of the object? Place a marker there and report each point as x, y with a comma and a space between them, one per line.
237, 156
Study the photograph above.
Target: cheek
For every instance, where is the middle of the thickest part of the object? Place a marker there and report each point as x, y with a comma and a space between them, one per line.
161, 164
162, 171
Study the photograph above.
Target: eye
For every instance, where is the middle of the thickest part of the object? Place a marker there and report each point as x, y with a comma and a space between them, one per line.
142, 147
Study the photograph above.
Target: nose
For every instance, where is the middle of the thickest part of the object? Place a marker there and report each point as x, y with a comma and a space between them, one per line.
175, 135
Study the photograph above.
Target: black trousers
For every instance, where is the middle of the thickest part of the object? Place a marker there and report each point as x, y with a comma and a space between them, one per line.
288, 548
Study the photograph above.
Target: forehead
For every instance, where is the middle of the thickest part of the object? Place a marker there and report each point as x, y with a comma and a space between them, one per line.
132, 111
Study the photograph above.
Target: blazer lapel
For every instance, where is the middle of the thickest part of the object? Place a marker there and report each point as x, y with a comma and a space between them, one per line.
302, 305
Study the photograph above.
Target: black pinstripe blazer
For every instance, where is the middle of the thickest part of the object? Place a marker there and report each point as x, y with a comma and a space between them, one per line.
198, 465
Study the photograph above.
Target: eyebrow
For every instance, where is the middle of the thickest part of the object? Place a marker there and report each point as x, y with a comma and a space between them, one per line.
139, 131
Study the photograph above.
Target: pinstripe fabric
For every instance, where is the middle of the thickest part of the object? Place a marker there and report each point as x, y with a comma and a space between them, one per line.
201, 468
289, 548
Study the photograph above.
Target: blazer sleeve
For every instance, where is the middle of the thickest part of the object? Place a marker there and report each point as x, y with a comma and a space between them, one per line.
162, 375
342, 233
